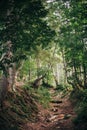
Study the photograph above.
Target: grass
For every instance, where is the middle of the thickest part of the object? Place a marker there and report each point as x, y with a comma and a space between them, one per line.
43, 96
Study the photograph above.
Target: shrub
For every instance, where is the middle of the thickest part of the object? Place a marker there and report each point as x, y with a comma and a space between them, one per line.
81, 120
44, 96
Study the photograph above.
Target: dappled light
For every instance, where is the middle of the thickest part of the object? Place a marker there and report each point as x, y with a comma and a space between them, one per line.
43, 65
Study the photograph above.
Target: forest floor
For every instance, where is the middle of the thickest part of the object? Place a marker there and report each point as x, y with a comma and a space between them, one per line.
58, 116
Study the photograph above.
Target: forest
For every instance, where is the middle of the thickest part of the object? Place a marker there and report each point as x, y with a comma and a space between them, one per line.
43, 65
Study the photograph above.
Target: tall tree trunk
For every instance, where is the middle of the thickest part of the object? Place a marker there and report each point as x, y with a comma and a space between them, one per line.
12, 77
65, 68
55, 76
79, 82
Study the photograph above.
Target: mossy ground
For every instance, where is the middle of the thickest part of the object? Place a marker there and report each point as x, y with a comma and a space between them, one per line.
22, 106
18, 108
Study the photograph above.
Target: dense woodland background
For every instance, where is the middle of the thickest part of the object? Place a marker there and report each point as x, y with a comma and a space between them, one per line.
43, 44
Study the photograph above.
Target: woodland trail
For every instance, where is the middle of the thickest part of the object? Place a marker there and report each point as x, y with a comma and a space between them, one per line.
58, 116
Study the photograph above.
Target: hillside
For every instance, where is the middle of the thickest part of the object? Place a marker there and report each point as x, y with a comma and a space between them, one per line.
23, 111
18, 108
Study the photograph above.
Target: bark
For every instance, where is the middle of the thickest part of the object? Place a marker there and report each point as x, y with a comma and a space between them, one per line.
79, 82
37, 82
85, 76
3, 89
55, 78
56, 81
12, 77
65, 68
73, 84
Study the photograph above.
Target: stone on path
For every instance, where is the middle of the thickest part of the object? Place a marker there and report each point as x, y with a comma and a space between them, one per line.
56, 101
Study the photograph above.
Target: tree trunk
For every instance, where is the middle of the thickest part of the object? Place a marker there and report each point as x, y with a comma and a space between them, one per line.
37, 82
85, 76
65, 68
3, 89
12, 77
79, 82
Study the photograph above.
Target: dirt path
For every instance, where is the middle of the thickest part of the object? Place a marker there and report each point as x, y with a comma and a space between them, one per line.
58, 117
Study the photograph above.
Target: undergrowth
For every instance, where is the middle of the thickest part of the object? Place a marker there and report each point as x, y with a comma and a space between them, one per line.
80, 99
63, 90
19, 107
41, 95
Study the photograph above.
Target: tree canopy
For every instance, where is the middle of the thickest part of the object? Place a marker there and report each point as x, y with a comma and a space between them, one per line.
22, 24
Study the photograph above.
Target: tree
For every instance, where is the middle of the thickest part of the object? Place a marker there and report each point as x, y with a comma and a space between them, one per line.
70, 26
21, 23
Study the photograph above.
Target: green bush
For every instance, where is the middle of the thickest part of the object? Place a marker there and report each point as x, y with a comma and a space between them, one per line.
81, 120
43, 96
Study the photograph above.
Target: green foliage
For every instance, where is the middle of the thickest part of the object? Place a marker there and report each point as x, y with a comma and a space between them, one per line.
79, 97
28, 65
60, 87
81, 120
49, 76
41, 94
25, 24
44, 96
22, 23
70, 27
28, 88
82, 114
64, 87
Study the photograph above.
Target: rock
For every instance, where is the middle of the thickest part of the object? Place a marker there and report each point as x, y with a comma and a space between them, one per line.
43, 126
48, 120
67, 116
58, 127
51, 119
55, 114
54, 109
61, 116
56, 106
56, 101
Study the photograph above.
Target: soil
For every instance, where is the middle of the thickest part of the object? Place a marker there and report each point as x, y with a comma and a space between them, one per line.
58, 116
